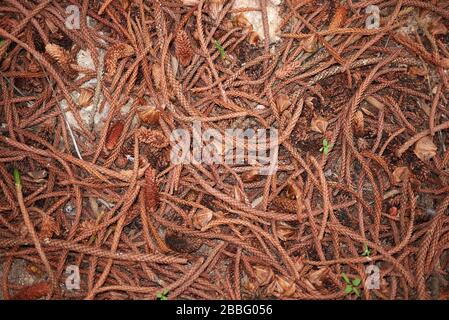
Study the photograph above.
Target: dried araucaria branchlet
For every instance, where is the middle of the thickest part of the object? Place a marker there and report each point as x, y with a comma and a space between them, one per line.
151, 190
114, 54
183, 48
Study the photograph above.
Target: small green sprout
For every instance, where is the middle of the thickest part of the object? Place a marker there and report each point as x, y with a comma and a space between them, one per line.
162, 295
17, 179
220, 48
325, 148
351, 286
366, 251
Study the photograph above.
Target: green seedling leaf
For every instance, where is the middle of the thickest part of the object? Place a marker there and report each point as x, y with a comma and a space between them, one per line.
325, 148
162, 295
220, 49
366, 251
356, 291
345, 278
356, 282
17, 178
348, 288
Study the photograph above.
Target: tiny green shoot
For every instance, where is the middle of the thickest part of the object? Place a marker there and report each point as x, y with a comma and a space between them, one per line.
325, 148
162, 295
220, 49
17, 179
366, 251
351, 286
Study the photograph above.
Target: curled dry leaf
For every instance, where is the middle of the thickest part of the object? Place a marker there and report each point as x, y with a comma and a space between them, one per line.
250, 176
253, 38
114, 54
201, 218
425, 149
436, 27
183, 48
263, 275
309, 102
154, 138
149, 115
249, 284
319, 124
282, 102
310, 44
114, 135
282, 287
190, 2
400, 174
38, 174
86, 95
316, 277
151, 190
241, 21
285, 231
182, 243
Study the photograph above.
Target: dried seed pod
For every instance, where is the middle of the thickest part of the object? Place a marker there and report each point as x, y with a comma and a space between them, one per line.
149, 115
359, 123
201, 218
114, 54
86, 95
339, 18
250, 176
183, 48
393, 211
33, 292
121, 161
319, 124
282, 102
425, 149
151, 190
114, 135
60, 55
154, 138
156, 73
417, 71
263, 275
49, 227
